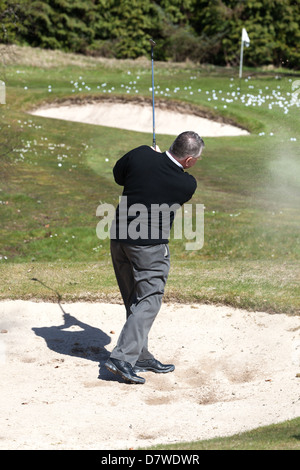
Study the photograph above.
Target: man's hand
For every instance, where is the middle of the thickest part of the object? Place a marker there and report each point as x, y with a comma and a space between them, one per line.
157, 149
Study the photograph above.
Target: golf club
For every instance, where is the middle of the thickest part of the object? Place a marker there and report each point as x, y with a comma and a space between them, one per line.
153, 44
59, 297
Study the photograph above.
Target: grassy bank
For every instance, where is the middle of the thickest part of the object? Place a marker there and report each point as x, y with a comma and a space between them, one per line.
282, 436
253, 285
59, 172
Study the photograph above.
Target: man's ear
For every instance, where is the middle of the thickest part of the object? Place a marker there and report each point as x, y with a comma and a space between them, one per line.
187, 162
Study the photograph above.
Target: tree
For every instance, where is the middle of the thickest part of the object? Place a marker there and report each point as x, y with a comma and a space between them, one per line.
127, 24
9, 20
272, 25
201, 30
58, 24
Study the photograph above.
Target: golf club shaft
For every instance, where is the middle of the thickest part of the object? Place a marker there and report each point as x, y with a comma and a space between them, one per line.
153, 106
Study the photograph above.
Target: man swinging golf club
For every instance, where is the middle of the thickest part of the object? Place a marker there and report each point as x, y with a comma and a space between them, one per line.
141, 257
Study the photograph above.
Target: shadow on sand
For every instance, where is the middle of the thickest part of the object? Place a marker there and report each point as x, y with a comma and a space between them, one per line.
78, 339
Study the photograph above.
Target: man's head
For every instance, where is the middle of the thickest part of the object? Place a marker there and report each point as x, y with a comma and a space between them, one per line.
187, 148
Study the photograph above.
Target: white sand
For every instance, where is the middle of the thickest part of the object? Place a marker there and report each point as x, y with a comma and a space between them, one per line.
138, 117
235, 370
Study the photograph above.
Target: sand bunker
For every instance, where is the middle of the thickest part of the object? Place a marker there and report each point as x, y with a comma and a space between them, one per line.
235, 370
138, 117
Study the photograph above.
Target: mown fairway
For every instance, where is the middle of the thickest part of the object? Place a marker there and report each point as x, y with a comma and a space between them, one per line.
59, 172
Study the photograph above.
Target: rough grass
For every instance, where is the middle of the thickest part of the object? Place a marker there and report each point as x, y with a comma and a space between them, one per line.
282, 436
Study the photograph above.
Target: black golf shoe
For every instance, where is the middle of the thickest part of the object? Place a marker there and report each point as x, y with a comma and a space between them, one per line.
124, 370
153, 365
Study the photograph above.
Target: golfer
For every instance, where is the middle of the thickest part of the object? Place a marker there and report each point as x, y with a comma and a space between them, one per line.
139, 243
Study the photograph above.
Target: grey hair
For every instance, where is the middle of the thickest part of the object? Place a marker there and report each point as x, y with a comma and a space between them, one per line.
187, 144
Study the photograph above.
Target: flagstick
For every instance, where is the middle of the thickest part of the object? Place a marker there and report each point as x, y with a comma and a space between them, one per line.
241, 58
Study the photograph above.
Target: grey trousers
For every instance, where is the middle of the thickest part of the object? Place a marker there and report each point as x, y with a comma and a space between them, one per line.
141, 273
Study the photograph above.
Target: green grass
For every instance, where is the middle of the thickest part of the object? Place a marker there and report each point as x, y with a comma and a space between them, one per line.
254, 285
59, 172
282, 436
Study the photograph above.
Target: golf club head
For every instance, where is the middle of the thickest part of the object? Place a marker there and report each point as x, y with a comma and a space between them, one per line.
153, 43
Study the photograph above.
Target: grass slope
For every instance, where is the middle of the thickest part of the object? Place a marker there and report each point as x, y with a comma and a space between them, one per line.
59, 172
282, 436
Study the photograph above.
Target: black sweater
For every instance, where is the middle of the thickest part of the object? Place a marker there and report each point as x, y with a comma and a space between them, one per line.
154, 187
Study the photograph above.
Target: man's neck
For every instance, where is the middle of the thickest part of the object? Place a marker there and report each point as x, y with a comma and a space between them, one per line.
173, 159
